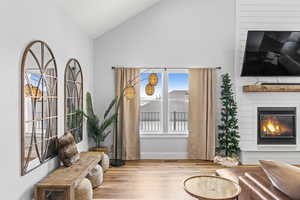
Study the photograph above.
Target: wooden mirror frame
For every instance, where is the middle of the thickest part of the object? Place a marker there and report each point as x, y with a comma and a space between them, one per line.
42, 97
76, 100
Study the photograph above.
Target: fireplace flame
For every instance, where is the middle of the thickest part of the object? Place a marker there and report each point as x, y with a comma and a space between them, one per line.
273, 127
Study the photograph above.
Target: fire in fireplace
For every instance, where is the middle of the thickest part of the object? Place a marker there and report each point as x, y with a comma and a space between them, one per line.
276, 125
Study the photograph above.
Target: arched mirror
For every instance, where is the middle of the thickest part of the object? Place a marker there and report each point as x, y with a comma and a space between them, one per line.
73, 99
39, 105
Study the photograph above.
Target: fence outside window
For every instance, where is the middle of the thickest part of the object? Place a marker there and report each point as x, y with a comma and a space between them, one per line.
150, 122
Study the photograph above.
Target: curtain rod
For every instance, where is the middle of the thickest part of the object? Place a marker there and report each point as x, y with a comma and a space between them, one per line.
165, 68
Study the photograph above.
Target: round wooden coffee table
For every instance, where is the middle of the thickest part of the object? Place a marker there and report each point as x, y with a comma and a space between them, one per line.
211, 188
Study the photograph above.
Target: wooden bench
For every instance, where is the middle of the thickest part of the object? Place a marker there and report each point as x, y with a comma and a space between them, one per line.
62, 182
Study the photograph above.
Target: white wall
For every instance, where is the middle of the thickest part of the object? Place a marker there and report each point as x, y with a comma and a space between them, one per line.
22, 22
262, 15
172, 33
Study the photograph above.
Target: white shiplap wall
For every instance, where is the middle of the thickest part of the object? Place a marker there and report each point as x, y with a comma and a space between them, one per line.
263, 15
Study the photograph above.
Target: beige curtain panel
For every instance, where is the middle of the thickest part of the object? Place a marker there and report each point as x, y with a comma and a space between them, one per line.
201, 140
128, 121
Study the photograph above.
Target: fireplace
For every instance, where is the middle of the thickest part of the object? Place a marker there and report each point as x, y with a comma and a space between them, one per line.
276, 125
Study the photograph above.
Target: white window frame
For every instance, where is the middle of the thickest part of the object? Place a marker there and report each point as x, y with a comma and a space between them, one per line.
165, 133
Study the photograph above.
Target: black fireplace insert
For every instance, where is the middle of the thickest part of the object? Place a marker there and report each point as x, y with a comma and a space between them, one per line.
276, 125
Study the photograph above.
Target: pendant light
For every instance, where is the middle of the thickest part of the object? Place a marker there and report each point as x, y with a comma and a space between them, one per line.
149, 89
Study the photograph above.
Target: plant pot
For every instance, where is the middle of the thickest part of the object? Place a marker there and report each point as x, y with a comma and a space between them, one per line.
226, 161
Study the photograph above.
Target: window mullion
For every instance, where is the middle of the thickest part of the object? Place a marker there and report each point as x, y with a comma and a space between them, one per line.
165, 102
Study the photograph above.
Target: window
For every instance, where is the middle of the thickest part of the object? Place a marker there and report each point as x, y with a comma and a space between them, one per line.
73, 99
167, 110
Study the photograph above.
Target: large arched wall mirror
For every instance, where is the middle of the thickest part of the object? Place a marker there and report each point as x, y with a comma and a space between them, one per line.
73, 99
39, 105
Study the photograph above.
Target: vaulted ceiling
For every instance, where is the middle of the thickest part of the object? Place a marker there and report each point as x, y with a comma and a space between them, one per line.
96, 17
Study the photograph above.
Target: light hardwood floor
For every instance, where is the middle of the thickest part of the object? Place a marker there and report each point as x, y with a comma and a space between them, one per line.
155, 180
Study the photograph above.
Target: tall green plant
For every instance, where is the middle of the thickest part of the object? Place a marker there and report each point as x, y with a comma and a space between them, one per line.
96, 129
228, 137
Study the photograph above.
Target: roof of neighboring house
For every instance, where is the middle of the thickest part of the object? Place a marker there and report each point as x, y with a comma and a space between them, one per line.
178, 94
178, 103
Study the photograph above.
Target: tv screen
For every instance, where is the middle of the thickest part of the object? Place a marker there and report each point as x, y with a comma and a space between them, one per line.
272, 53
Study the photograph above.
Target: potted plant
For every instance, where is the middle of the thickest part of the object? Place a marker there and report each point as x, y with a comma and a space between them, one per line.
99, 130
228, 137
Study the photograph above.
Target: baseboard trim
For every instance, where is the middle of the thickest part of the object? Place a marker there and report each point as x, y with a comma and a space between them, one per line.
253, 157
164, 155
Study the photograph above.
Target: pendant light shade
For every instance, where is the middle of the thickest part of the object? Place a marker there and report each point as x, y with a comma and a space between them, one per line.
149, 89
129, 92
153, 79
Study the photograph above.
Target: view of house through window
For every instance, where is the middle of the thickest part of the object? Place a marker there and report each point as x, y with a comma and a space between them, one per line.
166, 111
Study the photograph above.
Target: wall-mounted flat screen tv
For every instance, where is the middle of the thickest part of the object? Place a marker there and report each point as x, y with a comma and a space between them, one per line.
272, 53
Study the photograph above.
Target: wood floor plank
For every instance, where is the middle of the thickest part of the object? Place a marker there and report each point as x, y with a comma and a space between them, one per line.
151, 179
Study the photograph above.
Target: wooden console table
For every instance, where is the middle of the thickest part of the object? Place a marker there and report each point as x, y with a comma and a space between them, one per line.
62, 182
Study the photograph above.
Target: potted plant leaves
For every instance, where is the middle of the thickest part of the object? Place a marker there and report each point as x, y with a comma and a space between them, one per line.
98, 129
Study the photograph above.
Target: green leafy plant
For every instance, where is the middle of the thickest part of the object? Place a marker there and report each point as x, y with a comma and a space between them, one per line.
228, 136
74, 125
99, 130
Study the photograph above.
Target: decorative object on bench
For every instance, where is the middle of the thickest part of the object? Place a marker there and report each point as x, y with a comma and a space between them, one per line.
38, 85
64, 180
84, 190
73, 99
212, 188
96, 176
283, 176
105, 162
228, 136
67, 150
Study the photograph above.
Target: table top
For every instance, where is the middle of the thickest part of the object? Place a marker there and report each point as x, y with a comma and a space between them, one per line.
211, 188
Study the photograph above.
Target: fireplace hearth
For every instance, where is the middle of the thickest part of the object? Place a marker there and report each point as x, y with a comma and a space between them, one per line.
276, 125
